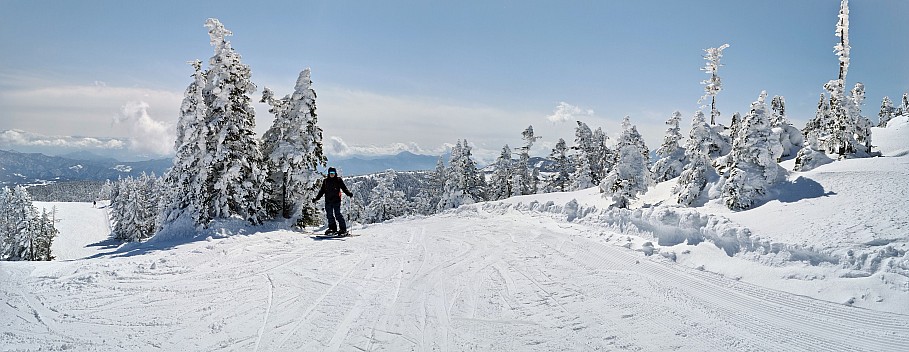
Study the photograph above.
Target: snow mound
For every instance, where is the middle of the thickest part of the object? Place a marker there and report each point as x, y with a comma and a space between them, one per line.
892, 140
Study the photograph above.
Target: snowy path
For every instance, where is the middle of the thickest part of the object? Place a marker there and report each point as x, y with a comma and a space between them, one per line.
466, 281
80, 233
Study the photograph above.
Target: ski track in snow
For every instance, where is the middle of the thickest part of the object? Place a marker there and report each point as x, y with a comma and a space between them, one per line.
467, 280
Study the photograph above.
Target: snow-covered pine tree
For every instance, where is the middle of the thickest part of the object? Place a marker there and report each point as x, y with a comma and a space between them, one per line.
135, 208
23, 214
436, 185
886, 113
862, 123
713, 85
587, 174
778, 111
561, 178
672, 156
6, 224
237, 177
45, 232
183, 183
754, 156
423, 203
630, 175
582, 177
525, 181
384, 201
736, 126
292, 148
603, 158
839, 135
500, 185
814, 128
464, 184
904, 108
790, 138
696, 173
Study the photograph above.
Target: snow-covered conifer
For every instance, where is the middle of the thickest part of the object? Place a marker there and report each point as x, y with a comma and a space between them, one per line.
671, 155
602, 156
778, 110
754, 156
582, 177
790, 138
524, 178
384, 201
630, 175
135, 208
17, 225
463, 184
184, 191
815, 127
237, 177
587, 173
292, 148
862, 123
562, 175
839, 133
6, 238
500, 185
904, 108
713, 85
695, 175
886, 113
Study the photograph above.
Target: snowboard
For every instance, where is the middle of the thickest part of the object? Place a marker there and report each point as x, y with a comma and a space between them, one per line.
322, 236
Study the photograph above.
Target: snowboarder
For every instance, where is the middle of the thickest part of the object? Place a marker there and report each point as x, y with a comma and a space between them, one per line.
332, 187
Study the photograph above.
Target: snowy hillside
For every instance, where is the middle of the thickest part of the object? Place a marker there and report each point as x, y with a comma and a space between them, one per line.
821, 265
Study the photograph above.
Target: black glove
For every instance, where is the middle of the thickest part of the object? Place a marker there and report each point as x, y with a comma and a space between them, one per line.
315, 200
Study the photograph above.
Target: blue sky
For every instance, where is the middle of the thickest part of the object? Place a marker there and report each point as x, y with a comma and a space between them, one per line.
419, 74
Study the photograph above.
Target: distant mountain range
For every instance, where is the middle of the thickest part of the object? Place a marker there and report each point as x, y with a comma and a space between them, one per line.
34, 168
403, 161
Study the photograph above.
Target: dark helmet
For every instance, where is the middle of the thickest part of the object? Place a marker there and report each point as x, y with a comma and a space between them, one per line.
332, 170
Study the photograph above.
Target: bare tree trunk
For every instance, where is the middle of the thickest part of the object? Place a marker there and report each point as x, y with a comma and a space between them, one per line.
842, 64
713, 110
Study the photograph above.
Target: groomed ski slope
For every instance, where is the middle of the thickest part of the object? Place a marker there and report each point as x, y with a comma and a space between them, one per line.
472, 279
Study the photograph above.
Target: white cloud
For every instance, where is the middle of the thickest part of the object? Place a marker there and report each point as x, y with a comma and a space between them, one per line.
566, 112
146, 134
50, 108
338, 147
12, 138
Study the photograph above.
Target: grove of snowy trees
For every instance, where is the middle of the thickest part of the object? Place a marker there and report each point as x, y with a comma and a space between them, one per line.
222, 171
25, 233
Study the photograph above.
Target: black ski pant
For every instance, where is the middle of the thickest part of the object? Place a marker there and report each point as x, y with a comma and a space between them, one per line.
333, 212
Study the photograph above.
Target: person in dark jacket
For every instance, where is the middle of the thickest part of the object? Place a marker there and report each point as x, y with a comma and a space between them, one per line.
332, 187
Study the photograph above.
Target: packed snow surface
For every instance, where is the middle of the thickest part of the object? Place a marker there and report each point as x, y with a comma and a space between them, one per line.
484, 277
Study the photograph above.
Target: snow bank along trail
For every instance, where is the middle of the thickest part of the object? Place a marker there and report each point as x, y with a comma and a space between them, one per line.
466, 280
